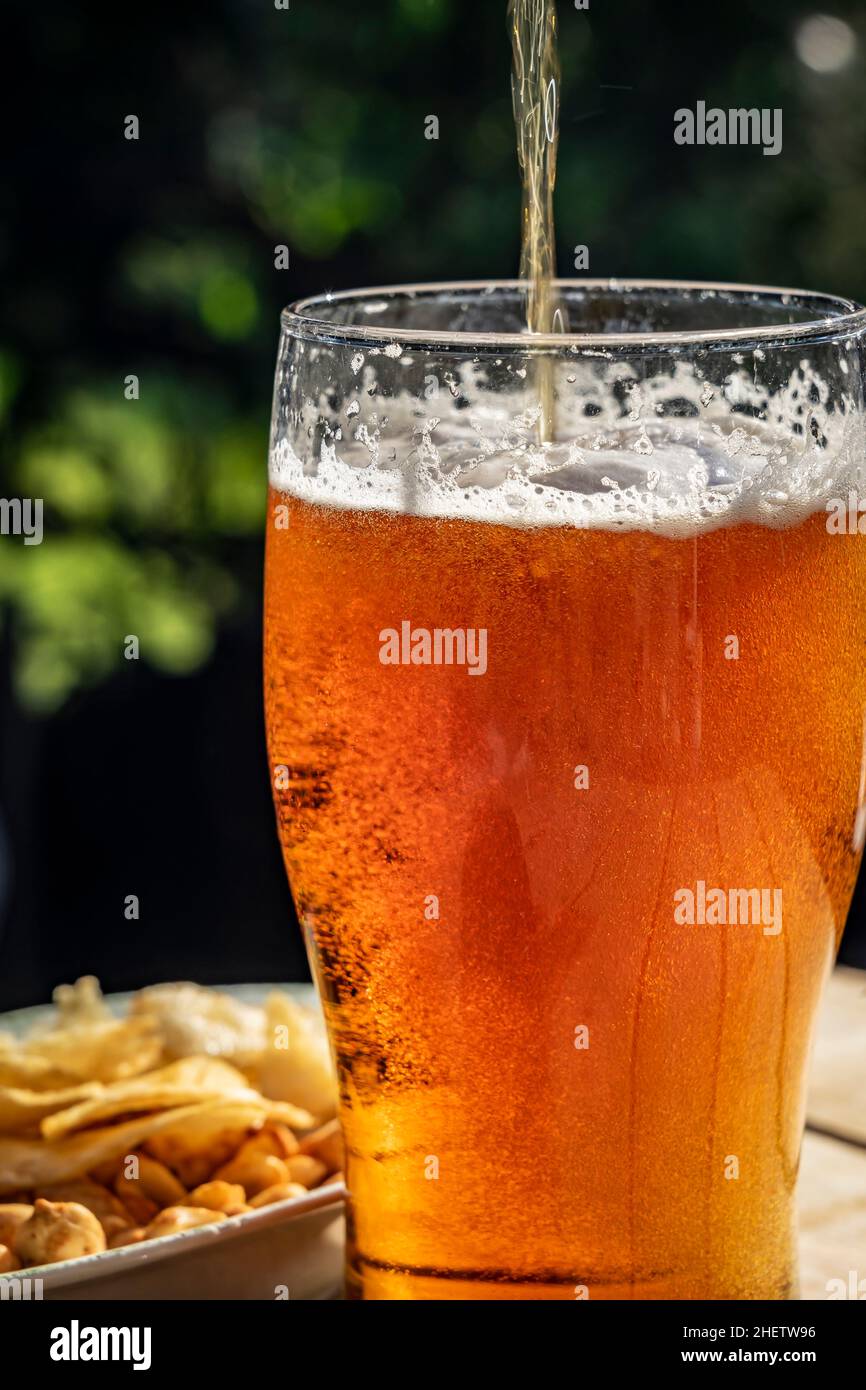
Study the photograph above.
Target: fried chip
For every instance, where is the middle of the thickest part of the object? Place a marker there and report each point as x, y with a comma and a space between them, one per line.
22, 1108
20, 1070
193, 1020
185, 1082
31, 1163
199, 1146
80, 1003
109, 1051
297, 1064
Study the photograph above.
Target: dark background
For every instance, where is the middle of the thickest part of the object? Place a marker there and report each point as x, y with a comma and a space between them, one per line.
156, 257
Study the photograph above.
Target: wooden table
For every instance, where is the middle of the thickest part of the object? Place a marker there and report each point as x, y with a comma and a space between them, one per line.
832, 1191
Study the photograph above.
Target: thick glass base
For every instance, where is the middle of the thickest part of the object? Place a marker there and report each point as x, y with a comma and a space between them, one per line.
373, 1282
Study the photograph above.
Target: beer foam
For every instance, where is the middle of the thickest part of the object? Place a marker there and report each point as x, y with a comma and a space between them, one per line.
675, 476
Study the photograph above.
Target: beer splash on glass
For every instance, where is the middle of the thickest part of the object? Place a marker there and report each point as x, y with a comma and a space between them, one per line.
535, 81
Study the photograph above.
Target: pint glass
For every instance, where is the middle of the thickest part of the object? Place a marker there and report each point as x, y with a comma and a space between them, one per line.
567, 746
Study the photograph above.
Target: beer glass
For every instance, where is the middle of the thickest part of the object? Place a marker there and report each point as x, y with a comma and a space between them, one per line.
567, 745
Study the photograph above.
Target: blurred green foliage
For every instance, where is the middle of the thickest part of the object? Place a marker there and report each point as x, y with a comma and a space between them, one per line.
306, 127
135, 490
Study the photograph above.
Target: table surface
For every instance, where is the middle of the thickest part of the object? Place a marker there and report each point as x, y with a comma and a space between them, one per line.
832, 1191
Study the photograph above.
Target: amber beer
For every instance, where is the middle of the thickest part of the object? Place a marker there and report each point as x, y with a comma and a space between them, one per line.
552, 1085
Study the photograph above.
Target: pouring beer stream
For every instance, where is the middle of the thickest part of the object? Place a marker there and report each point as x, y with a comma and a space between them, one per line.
535, 82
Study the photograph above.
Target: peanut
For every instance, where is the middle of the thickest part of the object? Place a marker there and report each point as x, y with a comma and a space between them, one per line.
305, 1169
326, 1144
175, 1219
253, 1171
58, 1231
280, 1193
217, 1196
129, 1236
12, 1215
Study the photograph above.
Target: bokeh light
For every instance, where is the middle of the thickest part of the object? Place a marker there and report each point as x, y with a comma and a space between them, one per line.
824, 43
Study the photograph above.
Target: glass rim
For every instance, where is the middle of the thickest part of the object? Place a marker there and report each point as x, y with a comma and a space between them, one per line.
301, 320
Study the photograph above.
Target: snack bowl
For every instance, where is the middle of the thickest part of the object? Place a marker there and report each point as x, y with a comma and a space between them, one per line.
292, 1249
289, 1249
